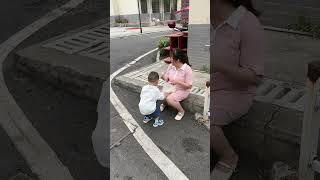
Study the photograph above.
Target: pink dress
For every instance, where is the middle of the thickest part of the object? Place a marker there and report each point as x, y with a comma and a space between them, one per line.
183, 74
238, 42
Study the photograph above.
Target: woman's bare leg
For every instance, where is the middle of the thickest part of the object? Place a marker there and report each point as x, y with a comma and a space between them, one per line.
173, 103
221, 146
164, 102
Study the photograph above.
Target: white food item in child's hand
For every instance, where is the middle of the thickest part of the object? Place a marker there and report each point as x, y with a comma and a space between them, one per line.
168, 88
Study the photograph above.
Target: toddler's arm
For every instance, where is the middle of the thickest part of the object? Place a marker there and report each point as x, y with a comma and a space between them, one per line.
161, 96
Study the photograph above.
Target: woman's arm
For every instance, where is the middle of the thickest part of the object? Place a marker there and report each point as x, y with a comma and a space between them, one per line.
251, 64
183, 84
187, 83
241, 74
165, 75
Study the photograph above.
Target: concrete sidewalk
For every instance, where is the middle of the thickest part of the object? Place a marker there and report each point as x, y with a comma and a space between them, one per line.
135, 80
116, 32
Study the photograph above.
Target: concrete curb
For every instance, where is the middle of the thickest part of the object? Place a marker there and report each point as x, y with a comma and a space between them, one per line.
194, 103
158, 56
40, 157
270, 28
65, 71
71, 80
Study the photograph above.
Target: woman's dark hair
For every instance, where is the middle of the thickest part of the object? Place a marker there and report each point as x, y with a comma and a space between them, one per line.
246, 3
180, 55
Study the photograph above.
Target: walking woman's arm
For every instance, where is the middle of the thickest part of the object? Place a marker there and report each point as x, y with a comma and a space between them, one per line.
243, 75
251, 64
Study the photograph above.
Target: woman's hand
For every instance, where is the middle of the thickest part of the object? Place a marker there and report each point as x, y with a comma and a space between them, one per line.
185, 85
175, 82
162, 76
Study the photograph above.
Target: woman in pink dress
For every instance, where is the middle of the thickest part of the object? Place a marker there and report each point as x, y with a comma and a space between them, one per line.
237, 67
179, 74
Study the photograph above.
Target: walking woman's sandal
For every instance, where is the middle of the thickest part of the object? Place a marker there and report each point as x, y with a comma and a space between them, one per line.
219, 174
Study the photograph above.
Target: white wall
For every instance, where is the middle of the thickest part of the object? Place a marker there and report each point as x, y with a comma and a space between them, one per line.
112, 13
199, 33
128, 7
123, 7
199, 12
178, 5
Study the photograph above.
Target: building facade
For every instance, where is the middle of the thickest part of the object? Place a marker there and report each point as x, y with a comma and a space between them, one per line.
199, 34
198, 21
149, 9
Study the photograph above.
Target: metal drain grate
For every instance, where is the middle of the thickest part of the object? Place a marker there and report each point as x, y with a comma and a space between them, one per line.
146, 70
194, 90
99, 52
80, 41
143, 76
282, 94
21, 176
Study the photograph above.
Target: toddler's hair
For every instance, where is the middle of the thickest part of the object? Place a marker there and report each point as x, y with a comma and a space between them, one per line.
153, 76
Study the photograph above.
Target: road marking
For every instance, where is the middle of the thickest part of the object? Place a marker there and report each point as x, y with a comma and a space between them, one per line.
137, 35
41, 159
158, 157
154, 37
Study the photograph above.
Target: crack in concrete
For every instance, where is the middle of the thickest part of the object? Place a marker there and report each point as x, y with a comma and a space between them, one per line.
263, 172
273, 116
118, 142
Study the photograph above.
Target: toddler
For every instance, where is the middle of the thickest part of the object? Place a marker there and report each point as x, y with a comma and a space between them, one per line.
150, 96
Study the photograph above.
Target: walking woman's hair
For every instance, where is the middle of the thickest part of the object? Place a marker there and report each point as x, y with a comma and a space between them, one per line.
180, 55
246, 3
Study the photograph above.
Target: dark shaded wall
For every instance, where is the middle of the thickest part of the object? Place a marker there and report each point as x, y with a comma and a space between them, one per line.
280, 13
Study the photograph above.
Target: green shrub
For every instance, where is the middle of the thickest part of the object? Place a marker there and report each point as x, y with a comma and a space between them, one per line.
205, 68
162, 43
304, 25
121, 20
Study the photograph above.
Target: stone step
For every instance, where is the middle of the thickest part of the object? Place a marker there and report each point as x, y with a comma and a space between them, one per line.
81, 72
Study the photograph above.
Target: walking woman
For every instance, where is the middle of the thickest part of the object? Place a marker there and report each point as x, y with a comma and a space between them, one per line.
237, 67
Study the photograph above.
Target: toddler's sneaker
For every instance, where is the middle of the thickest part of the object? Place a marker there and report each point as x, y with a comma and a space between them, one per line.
146, 119
158, 122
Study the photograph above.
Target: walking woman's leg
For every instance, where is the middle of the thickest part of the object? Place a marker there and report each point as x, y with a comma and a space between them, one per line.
221, 146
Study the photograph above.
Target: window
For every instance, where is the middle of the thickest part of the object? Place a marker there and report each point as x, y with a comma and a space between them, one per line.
144, 6
155, 6
175, 3
166, 4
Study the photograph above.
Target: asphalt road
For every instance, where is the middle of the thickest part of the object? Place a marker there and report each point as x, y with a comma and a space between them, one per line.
185, 143
14, 16
65, 121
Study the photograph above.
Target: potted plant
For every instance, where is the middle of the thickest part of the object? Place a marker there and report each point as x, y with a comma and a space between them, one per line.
120, 21
162, 43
